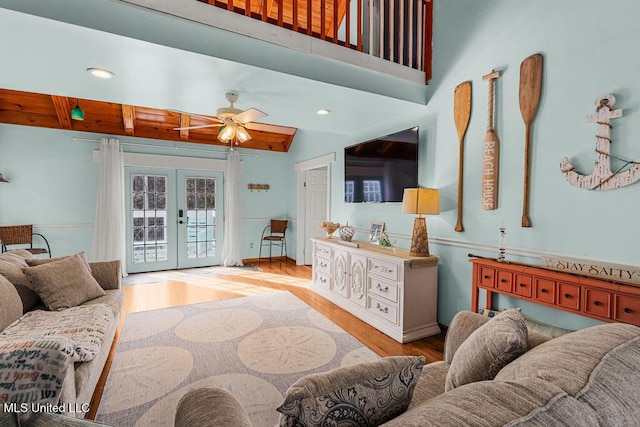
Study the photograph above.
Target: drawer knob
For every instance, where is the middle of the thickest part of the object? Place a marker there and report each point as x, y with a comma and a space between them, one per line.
522, 285
597, 303
544, 291
383, 310
380, 288
628, 310
486, 276
567, 296
503, 280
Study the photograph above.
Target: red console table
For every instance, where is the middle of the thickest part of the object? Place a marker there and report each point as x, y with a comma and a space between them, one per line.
585, 296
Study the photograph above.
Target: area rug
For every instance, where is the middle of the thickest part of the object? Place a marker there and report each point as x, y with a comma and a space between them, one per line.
255, 347
185, 274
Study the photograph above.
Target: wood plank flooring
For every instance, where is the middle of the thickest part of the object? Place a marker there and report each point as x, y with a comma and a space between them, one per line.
272, 278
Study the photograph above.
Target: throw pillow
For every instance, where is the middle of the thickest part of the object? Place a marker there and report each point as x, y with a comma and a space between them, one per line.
11, 269
31, 262
488, 349
65, 283
367, 394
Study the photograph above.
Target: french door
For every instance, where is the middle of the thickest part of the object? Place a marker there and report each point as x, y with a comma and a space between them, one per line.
174, 218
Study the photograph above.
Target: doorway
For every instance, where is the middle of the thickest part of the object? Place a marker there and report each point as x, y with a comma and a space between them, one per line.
174, 218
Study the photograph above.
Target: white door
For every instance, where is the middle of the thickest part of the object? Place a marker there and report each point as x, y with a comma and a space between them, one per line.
174, 219
316, 185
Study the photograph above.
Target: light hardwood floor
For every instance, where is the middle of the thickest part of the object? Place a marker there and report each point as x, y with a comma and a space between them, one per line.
272, 278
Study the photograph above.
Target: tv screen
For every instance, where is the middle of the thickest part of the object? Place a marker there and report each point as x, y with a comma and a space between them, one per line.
379, 170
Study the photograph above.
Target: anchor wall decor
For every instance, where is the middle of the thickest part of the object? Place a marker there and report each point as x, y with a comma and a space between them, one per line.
602, 177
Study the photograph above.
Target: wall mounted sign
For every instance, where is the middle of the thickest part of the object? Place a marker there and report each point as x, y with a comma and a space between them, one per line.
606, 271
602, 177
490, 152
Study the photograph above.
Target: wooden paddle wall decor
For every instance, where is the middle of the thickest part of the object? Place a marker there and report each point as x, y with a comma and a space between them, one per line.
530, 88
490, 152
602, 177
461, 116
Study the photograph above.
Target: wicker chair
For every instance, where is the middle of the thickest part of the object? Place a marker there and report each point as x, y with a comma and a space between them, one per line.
21, 235
276, 237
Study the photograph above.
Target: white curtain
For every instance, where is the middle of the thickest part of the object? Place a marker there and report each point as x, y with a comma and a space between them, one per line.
109, 230
232, 247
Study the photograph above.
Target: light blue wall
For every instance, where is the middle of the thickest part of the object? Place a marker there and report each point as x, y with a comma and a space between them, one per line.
588, 51
53, 185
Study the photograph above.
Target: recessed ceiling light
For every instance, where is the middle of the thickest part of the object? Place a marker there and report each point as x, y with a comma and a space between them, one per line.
100, 73
323, 112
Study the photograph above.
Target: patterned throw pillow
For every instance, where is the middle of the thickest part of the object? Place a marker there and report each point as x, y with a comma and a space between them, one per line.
488, 349
367, 394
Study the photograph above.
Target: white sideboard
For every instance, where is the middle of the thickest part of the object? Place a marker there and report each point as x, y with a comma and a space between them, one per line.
385, 287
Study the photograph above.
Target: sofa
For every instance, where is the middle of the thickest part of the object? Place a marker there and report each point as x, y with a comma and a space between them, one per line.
58, 321
495, 372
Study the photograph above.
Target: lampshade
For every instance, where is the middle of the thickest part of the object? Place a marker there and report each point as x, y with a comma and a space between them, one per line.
77, 113
421, 201
228, 132
242, 134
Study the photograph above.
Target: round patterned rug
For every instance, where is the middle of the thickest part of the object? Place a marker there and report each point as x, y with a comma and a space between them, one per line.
254, 347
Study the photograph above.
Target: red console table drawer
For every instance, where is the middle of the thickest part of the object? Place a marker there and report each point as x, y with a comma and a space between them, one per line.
523, 285
598, 302
569, 296
627, 309
545, 290
486, 277
504, 281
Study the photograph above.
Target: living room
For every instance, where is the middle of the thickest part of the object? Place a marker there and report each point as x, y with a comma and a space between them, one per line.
587, 49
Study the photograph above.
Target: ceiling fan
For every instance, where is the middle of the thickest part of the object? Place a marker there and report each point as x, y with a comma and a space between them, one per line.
234, 122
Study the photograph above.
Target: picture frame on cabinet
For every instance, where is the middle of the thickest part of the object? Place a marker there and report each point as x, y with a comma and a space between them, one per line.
375, 231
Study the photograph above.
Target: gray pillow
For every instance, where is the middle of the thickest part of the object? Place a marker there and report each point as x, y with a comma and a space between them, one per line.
488, 349
11, 269
367, 394
10, 303
65, 283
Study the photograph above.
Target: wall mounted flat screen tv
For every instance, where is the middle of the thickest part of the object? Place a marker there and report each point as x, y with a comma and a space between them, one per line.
379, 170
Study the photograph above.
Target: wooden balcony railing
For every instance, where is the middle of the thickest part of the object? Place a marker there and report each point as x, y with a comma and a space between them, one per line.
395, 30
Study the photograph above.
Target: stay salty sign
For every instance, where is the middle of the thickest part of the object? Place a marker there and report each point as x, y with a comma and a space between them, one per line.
605, 271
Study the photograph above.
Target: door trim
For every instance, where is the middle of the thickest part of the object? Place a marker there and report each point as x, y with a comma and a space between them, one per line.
301, 168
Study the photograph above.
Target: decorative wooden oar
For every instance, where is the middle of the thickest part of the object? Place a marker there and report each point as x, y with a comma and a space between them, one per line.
490, 153
461, 116
530, 87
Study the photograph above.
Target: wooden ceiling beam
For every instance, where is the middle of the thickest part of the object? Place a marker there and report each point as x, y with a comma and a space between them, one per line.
128, 119
185, 121
63, 111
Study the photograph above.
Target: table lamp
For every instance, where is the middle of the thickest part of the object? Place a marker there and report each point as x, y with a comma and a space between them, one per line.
420, 201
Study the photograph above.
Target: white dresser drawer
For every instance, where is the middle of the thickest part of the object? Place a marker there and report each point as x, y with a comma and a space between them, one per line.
383, 288
384, 309
384, 269
322, 251
323, 280
322, 266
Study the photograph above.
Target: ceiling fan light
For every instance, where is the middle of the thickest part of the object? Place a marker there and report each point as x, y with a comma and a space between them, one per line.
242, 135
227, 133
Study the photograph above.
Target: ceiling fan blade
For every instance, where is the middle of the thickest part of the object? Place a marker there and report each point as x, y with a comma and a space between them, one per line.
210, 118
271, 128
249, 115
198, 127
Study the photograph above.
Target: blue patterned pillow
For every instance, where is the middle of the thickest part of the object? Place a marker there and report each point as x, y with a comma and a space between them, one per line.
367, 394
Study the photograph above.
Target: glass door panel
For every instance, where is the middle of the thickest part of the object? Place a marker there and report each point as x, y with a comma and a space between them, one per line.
199, 235
150, 205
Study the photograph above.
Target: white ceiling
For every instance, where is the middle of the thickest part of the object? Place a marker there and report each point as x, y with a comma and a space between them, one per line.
47, 56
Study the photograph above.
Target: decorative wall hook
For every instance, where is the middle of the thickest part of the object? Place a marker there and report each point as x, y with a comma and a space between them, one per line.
258, 187
602, 178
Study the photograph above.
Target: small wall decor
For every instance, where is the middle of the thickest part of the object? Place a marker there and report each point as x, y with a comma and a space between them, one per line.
375, 232
258, 187
602, 178
461, 116
598, 269
490, 152
529, 97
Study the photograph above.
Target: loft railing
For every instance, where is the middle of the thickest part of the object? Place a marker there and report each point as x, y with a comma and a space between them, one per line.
399, 31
